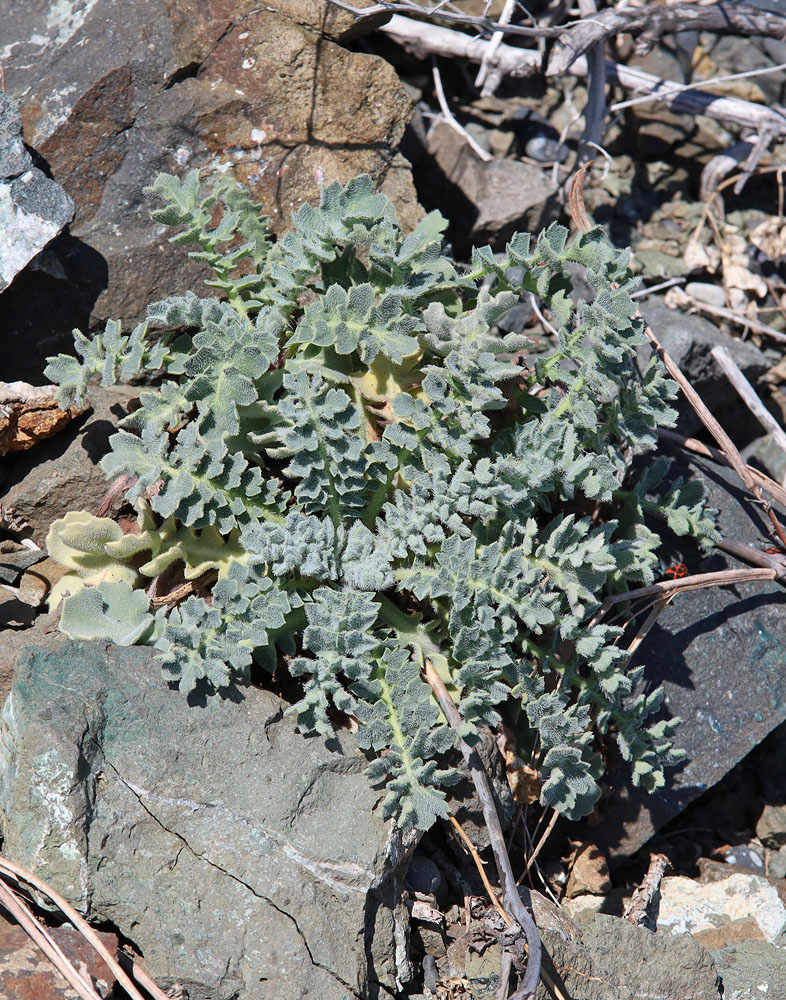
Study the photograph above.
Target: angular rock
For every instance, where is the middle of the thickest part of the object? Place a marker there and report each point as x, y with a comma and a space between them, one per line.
719, 653
751, 970
244, 860
486, 201
771, 828
33, 208
241, 89
63, 473
687, 906
29, 414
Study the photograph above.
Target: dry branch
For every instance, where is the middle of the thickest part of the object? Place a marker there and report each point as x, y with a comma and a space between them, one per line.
739, 318
748, 395
725, 443
513, 903
636, 913
651, 22
430, 39
693, 444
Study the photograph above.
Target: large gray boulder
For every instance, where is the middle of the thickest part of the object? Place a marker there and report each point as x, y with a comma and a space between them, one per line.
244, 860
33, 208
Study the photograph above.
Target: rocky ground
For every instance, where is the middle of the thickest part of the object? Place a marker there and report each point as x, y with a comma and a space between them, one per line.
233, 885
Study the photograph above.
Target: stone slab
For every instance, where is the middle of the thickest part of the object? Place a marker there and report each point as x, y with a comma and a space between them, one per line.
720, 654
244, 860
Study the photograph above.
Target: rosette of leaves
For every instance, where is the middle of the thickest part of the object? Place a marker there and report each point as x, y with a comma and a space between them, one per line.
378, 478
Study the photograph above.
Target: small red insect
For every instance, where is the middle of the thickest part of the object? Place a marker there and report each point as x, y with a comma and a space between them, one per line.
677, 571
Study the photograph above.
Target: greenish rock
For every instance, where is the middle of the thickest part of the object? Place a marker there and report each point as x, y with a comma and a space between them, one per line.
751, 970
244, 860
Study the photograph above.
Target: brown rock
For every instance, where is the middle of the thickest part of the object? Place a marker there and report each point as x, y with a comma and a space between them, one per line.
738, 930
63, 473
36, 585
26, 973
588, 873
253, 91
28, 414
771, 827
499, 196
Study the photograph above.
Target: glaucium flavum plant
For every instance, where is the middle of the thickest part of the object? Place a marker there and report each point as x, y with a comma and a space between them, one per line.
355, 470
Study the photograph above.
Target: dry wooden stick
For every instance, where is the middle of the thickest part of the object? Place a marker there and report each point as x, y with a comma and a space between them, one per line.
693, 444
78, 922
183, 591
480, 779
430, 39
501, 991
539, 846
757, 557
720, 578
724, 441
488, 79
43, 940
482, 871
651, 21
595, 111
748, 395
752, 324
636, 912
447, 114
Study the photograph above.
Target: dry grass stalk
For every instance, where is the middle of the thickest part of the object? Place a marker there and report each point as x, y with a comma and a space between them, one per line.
748, 395
724, 441
21, 875
693, 444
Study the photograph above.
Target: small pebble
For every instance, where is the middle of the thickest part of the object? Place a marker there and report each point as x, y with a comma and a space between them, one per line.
430, 976
704, 291
546, 150
744, 857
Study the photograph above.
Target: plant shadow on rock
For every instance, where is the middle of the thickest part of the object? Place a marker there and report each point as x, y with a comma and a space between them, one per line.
718, 653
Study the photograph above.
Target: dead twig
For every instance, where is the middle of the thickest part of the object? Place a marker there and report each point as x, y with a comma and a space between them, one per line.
21, 875
748, 395
513, 902
651, 21
447, 114
184, 590
481, 23
642, 293
692, 444
488, 78
595, 111
725, 443
44, 940
733, 317
636, 912
501, 991
423, 39
720, 578
539, 846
